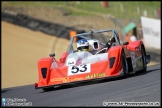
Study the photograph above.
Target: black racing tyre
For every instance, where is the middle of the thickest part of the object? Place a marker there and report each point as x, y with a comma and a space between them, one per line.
143, 52
125, 65
48, 89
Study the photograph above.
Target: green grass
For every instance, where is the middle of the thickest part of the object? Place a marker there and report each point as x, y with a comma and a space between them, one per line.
92, 8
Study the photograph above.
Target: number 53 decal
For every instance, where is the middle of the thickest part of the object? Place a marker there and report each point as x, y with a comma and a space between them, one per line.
81, 69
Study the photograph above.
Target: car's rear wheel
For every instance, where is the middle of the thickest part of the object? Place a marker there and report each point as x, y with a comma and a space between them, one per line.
143, 53
125, 65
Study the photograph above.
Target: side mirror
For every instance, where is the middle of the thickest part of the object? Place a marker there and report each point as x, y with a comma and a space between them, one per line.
125, 43
52, 54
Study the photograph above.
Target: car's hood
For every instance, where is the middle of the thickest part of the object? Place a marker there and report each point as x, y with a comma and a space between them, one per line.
78, 58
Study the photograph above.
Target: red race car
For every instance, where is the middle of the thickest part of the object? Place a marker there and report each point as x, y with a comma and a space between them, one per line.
101, 60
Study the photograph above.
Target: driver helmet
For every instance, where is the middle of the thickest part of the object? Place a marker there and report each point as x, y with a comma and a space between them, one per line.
82, 45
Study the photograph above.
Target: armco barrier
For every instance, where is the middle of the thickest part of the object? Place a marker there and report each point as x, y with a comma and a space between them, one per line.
38, 25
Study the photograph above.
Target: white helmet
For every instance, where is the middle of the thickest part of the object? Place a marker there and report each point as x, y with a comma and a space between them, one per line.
83, 45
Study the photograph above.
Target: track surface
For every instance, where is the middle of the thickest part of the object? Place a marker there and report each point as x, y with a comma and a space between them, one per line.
21, 50
139, 87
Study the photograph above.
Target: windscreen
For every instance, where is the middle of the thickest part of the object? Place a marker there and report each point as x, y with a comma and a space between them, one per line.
103, 37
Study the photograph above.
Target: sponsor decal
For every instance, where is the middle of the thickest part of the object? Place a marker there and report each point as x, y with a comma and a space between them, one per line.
70, 63
151, 32
95, 75
138, 52
139, 63
65, 79
81, 69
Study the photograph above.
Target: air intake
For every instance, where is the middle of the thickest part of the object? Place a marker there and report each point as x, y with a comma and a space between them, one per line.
44, 72
112, 60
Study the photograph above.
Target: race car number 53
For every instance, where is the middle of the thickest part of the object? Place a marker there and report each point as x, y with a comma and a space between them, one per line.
81, 69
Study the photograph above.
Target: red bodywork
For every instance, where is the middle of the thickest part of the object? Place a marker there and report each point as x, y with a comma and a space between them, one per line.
101, 69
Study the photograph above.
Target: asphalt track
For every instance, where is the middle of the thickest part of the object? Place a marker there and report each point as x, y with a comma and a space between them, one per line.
140, 87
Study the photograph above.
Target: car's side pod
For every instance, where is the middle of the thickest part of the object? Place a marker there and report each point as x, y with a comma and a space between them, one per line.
114, 56
44, 66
